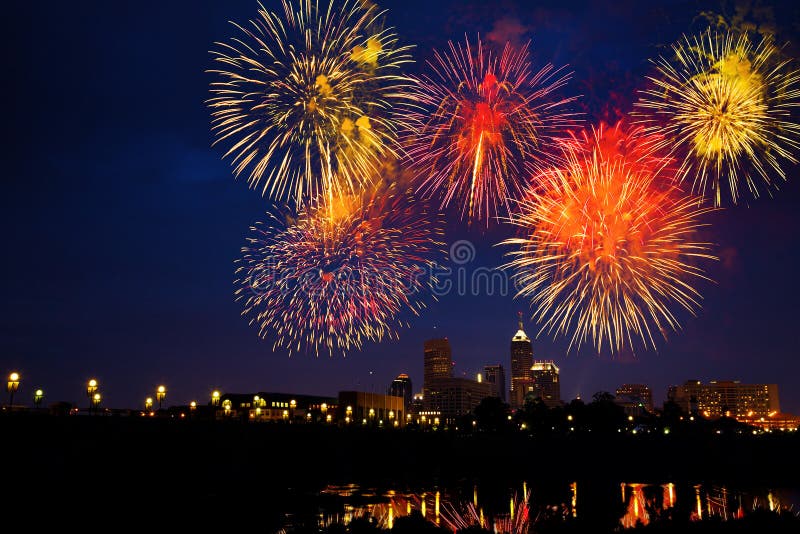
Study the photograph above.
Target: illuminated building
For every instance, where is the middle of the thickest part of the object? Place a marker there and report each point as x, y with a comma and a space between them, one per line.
374, 408
417, 404
726, 398
634, 398
401, 387
443, 395
265, 406
545, 383
438, 361
772, 421
495, 376
521, 363
454, 397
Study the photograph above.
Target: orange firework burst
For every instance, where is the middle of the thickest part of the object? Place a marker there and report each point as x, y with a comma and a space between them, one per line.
481, 121
607, 243
724, 107
341, 273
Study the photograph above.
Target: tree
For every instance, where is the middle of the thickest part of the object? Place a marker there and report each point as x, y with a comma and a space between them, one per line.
492, 414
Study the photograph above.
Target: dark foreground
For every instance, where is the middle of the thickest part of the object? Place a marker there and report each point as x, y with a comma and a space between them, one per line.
231, 475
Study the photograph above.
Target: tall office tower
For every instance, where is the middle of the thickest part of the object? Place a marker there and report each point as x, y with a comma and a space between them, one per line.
546, 384
521, 363
438, 361
401, 387
495, 376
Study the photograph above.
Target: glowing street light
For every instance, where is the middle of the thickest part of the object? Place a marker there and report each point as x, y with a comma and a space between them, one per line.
12, 387
227, 406
215, 398
91, 389
148, 404
292, 405
192, 406
96, 398
161, 394
38, 395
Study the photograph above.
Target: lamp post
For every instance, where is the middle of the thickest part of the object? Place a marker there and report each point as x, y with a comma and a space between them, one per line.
292, 405
349, 412
38, 395
192, 407
324, 409
227, 406
161, 394
91, 389
96, 398
148, 404
12, 387
215, 398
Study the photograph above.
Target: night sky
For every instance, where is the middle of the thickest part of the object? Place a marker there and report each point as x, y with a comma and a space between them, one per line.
121, 222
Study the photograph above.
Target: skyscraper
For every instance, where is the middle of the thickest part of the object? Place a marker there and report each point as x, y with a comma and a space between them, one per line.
438, 361
495, 376
401, 387
546, 384
521, 362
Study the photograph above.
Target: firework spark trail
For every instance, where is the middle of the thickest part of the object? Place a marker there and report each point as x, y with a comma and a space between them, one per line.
339, 274
480, 121
724, 106
519, 521
308, 100
606, 244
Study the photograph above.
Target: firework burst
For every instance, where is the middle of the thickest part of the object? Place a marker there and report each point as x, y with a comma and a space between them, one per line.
724, 107
606, 245
480, 121
341, 273
307, 96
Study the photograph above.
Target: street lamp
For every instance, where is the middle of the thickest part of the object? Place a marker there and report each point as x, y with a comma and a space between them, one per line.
292, 405
91, 389
148, 404
192, 407
215, 398
227, 405
96, 401
38, 395
349, 412
161, 393
324, 409
12, 387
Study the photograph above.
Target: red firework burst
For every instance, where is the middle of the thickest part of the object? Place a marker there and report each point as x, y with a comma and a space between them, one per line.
480, 122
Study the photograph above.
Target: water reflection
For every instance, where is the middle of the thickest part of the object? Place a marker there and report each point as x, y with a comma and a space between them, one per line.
646, 502
517, 512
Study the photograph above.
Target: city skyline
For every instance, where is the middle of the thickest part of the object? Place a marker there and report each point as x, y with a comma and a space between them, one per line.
441, 349
124, 223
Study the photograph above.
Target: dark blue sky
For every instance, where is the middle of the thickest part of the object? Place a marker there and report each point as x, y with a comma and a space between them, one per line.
121, 223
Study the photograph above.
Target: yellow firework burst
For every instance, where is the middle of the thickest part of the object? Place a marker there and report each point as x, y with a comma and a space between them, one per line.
307, 95
606, 243
724, 105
